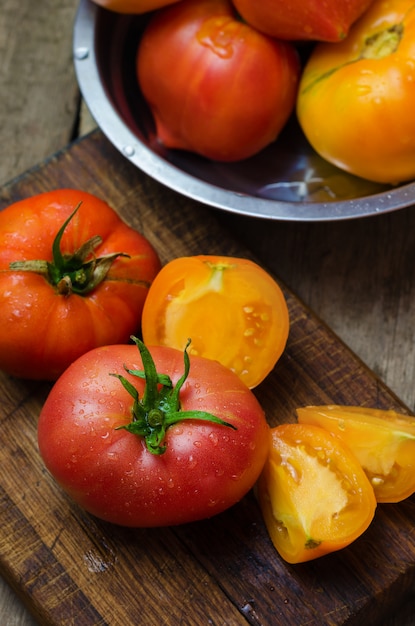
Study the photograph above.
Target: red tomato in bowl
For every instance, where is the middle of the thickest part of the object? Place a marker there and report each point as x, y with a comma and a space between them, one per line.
67, 284
215, 85
303, 20
133, 6
175, 465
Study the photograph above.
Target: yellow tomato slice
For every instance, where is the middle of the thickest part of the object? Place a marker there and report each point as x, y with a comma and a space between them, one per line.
314, 495
382, 441
232, 310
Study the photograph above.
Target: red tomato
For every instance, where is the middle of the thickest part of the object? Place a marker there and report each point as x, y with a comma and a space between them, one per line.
94, 432
67, 291
232, 309
215, 85
133, 6
302, 19
382, 441
357, 97
313, 493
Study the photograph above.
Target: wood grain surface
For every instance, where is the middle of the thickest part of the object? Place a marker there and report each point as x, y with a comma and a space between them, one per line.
357, 276
72, 569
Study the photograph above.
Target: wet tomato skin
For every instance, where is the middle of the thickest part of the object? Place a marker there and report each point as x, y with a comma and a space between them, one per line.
205, 469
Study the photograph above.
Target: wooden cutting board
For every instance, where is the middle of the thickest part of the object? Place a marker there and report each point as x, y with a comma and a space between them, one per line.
71, 569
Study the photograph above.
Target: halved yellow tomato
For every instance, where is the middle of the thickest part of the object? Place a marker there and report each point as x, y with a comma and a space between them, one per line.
314, 495
382, 441
232, 310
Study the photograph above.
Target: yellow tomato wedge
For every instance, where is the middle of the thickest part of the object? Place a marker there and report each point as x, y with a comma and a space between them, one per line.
314, 495
382, 441
233, 311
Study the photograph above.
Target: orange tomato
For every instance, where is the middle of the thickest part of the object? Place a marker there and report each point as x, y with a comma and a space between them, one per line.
133, 6
314, 495
70, 280
382, 441
356, 98
232, 309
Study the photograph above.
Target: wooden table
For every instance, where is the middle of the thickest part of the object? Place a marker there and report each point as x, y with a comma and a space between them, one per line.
357, 276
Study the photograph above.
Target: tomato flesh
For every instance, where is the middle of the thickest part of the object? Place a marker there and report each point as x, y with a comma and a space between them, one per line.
231, 309
382, 441
313, 493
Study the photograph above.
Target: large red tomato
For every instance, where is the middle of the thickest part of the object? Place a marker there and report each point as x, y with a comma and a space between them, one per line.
141, 454
67, 284
215, 85
302, 19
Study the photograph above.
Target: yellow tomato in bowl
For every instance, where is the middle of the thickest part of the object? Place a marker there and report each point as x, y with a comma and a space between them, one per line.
357, 97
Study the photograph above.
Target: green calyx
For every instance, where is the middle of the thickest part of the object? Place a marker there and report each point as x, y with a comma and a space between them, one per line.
159, 407
79, 272
383, 43
380, 45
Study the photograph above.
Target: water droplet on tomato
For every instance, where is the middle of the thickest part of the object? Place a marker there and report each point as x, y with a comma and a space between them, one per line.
217, 34
237, 476
192, 462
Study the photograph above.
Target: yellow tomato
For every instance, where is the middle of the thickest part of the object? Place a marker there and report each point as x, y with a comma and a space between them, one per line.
232, 310
133, 6
382, 441
356, 99
314, 495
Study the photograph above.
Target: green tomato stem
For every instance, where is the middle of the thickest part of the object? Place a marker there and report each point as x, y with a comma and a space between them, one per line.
160, 406
72, 273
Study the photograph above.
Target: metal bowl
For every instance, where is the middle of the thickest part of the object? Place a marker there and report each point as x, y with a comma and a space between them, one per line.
286, 181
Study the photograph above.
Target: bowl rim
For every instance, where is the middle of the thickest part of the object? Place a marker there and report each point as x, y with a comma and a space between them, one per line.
123, 139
